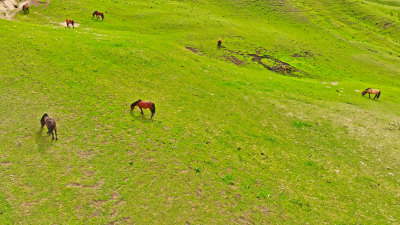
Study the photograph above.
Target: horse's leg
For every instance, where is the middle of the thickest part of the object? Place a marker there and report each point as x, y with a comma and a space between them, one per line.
141, 110
52, 135
375, 96
369, 95
56, 134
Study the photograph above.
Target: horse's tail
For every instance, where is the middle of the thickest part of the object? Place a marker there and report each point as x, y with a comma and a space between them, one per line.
153, 110
51, 128
379, 94
102, 16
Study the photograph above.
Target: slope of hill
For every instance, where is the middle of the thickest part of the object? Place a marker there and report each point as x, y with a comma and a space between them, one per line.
234, 139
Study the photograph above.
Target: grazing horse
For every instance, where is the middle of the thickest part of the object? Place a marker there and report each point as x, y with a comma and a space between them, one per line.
25, 8
219, 43
68, 21
285, 69
50, 124
97, 13
372, 91
144, 105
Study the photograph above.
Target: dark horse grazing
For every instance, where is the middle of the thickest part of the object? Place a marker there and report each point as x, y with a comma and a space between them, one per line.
97, 13
68, 21
372, 91
25, 8
144, 105
219, 43
50, 124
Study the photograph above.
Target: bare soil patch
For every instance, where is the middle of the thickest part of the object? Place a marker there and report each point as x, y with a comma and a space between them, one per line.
387, 25
85, 154
9, 8
6, 163
78, 185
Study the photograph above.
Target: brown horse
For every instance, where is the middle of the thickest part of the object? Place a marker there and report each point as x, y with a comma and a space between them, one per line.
50, 124
219, 43
25, 8
285, 69
68, 21
372, 91
144, 105
97, 14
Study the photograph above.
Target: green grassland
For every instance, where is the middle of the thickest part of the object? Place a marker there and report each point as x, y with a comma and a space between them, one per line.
231, 142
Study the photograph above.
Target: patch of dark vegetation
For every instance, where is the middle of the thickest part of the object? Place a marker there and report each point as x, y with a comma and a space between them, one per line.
303, 54
228, 179
267, 61
350, 103
270, 139
273, 64
300, 124
192, 49
304, 206
233, 59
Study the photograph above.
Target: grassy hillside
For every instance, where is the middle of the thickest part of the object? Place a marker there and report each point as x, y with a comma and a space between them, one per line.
231, 141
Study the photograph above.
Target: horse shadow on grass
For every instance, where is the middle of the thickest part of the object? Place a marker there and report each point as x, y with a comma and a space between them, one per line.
42, 142
143, 118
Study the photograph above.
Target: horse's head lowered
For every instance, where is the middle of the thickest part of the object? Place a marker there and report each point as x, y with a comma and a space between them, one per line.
134, 104
42, 122
365, 91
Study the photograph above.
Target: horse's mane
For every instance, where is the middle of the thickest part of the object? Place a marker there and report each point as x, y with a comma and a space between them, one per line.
135, 103
365, 91
44, 116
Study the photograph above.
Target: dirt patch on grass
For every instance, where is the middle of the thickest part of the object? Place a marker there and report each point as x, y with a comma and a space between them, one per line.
7, 163
264, 210
88, 173
78, 185
85, 154
123, 220
9, 8
387, 25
